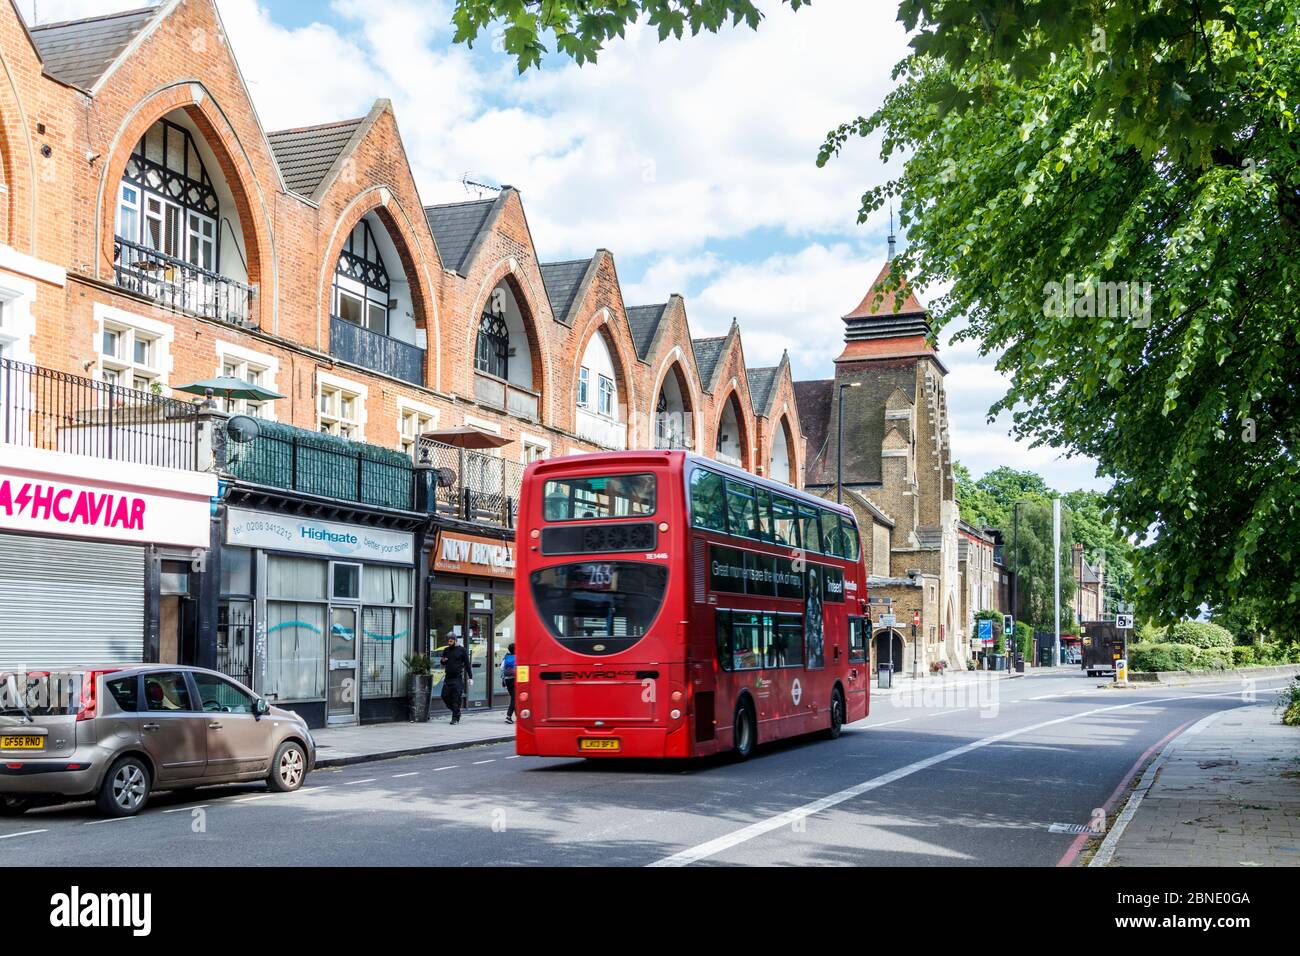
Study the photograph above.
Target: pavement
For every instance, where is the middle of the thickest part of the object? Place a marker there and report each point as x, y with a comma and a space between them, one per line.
341, 746
992, 773
1223, 792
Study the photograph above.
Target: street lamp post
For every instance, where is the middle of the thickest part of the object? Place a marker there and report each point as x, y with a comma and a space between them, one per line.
839, 440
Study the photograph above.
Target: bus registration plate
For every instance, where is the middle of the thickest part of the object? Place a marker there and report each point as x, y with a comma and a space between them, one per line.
598, 743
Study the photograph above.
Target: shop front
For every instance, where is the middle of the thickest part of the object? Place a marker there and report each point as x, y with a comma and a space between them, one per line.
318, 613
101, 561
472, 597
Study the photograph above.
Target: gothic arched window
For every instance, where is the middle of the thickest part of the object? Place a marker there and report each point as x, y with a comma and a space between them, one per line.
361, 283
492, 354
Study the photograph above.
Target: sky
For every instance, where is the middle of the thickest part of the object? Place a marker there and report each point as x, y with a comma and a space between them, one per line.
692, 161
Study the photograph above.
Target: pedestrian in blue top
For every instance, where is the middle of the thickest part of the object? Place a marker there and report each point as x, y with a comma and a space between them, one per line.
508, 679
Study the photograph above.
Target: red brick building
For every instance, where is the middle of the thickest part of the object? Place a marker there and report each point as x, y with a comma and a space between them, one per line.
154, 235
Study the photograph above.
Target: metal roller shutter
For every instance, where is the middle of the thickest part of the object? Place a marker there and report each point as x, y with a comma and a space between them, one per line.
64, 603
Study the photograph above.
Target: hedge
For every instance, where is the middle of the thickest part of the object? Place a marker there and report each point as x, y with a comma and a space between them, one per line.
1200, 634
1161, 657
1243, 656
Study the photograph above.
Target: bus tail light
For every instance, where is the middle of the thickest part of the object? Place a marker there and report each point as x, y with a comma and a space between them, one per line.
675, 714
525, 714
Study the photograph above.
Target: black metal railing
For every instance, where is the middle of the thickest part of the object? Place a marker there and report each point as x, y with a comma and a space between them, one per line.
181, 285
282, 456
57, 411
470, 485
374, 350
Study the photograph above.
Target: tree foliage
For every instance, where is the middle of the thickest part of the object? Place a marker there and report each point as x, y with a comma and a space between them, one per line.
582, 28
1144, 143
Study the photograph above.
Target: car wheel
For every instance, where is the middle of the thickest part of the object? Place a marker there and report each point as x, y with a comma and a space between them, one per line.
289, 768
837, 715
125, 788
11, 806
743, 732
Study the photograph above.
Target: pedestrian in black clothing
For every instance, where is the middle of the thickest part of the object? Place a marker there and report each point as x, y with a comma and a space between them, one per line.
455, 666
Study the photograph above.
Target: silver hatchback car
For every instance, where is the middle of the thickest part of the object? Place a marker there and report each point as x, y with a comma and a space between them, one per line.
115, 734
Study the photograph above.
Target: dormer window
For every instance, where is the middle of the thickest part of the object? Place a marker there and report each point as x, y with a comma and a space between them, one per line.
361, 283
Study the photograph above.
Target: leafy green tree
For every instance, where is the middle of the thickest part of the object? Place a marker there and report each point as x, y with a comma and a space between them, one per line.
1028, 551
1113, 192
581, 28
977, 506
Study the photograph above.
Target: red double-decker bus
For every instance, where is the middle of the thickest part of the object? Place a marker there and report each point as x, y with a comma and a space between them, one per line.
672, 606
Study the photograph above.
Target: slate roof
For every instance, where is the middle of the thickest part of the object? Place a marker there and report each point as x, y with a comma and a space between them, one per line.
307, 153
761, 382
456, 228
707, 353
562, 281
644, 321
78, 52
814, 401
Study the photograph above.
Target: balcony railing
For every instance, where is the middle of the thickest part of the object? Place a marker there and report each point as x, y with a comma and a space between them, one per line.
180, 285
374, 350
674, 430
603, 431
469, 485
44, 408
282, 456
499, 393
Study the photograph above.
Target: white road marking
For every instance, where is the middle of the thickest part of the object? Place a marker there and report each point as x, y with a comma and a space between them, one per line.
477, 762
10, 836
95, 823
735, 838
448, 767
513, 757
256, 796
887, 723
353, 783
413, 773
199, 806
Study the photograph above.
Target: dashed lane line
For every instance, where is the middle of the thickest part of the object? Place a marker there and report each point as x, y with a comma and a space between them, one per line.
10, 836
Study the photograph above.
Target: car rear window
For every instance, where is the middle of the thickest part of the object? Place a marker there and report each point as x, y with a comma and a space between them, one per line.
40, 693
126, 691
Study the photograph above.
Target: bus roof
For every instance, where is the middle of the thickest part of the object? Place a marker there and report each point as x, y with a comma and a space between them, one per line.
658, 458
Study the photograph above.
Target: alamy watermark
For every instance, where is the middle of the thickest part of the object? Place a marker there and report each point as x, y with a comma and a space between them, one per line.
1125, 299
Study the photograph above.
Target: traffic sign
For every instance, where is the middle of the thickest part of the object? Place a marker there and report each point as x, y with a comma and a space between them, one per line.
916, 618
1124, 622
985, 631
888, 620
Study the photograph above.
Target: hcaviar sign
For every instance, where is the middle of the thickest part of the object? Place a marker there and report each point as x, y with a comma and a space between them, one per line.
326, 539
47, 492
473, 554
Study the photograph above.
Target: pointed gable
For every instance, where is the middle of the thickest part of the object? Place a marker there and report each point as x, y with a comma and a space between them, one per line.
79, 52
644, 322
707, 353
458, 229
563, 281
306, 154
761, 382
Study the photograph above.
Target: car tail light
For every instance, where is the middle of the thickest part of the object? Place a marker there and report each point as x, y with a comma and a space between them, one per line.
88, 699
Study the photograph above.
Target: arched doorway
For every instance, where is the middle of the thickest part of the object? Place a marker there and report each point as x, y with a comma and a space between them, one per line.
883, 641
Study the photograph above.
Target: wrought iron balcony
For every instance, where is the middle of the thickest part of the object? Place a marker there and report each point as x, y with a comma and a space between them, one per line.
57, 411
469, 485
376, 351
181, 285
499, 393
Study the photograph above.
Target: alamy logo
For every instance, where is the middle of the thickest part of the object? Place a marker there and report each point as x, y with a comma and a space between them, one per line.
76, 909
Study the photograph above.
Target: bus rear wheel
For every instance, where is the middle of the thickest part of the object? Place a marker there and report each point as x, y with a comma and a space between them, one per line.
743, 732
837, 715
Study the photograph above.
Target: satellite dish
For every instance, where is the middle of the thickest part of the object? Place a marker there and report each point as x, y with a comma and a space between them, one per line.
242, 429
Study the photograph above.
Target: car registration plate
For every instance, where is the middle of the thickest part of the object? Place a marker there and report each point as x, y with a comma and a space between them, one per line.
598, 743
15, 742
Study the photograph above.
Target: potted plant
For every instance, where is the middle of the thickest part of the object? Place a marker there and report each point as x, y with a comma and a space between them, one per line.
419, 686
938, 667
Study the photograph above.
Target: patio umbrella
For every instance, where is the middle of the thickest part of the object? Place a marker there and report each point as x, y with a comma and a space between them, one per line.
467, 437
231, 389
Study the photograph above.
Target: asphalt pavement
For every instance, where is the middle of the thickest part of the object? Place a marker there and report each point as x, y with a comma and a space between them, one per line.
988, 773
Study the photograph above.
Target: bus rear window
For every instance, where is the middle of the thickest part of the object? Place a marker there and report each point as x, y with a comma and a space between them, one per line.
599, 607
609, 496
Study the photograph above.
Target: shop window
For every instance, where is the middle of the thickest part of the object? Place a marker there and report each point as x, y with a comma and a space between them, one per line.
503, 635
295, 612
387, 594
347, 581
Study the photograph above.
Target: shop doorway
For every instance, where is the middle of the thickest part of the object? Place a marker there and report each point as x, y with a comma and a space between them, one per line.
480, 626
343, 691
178, 634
